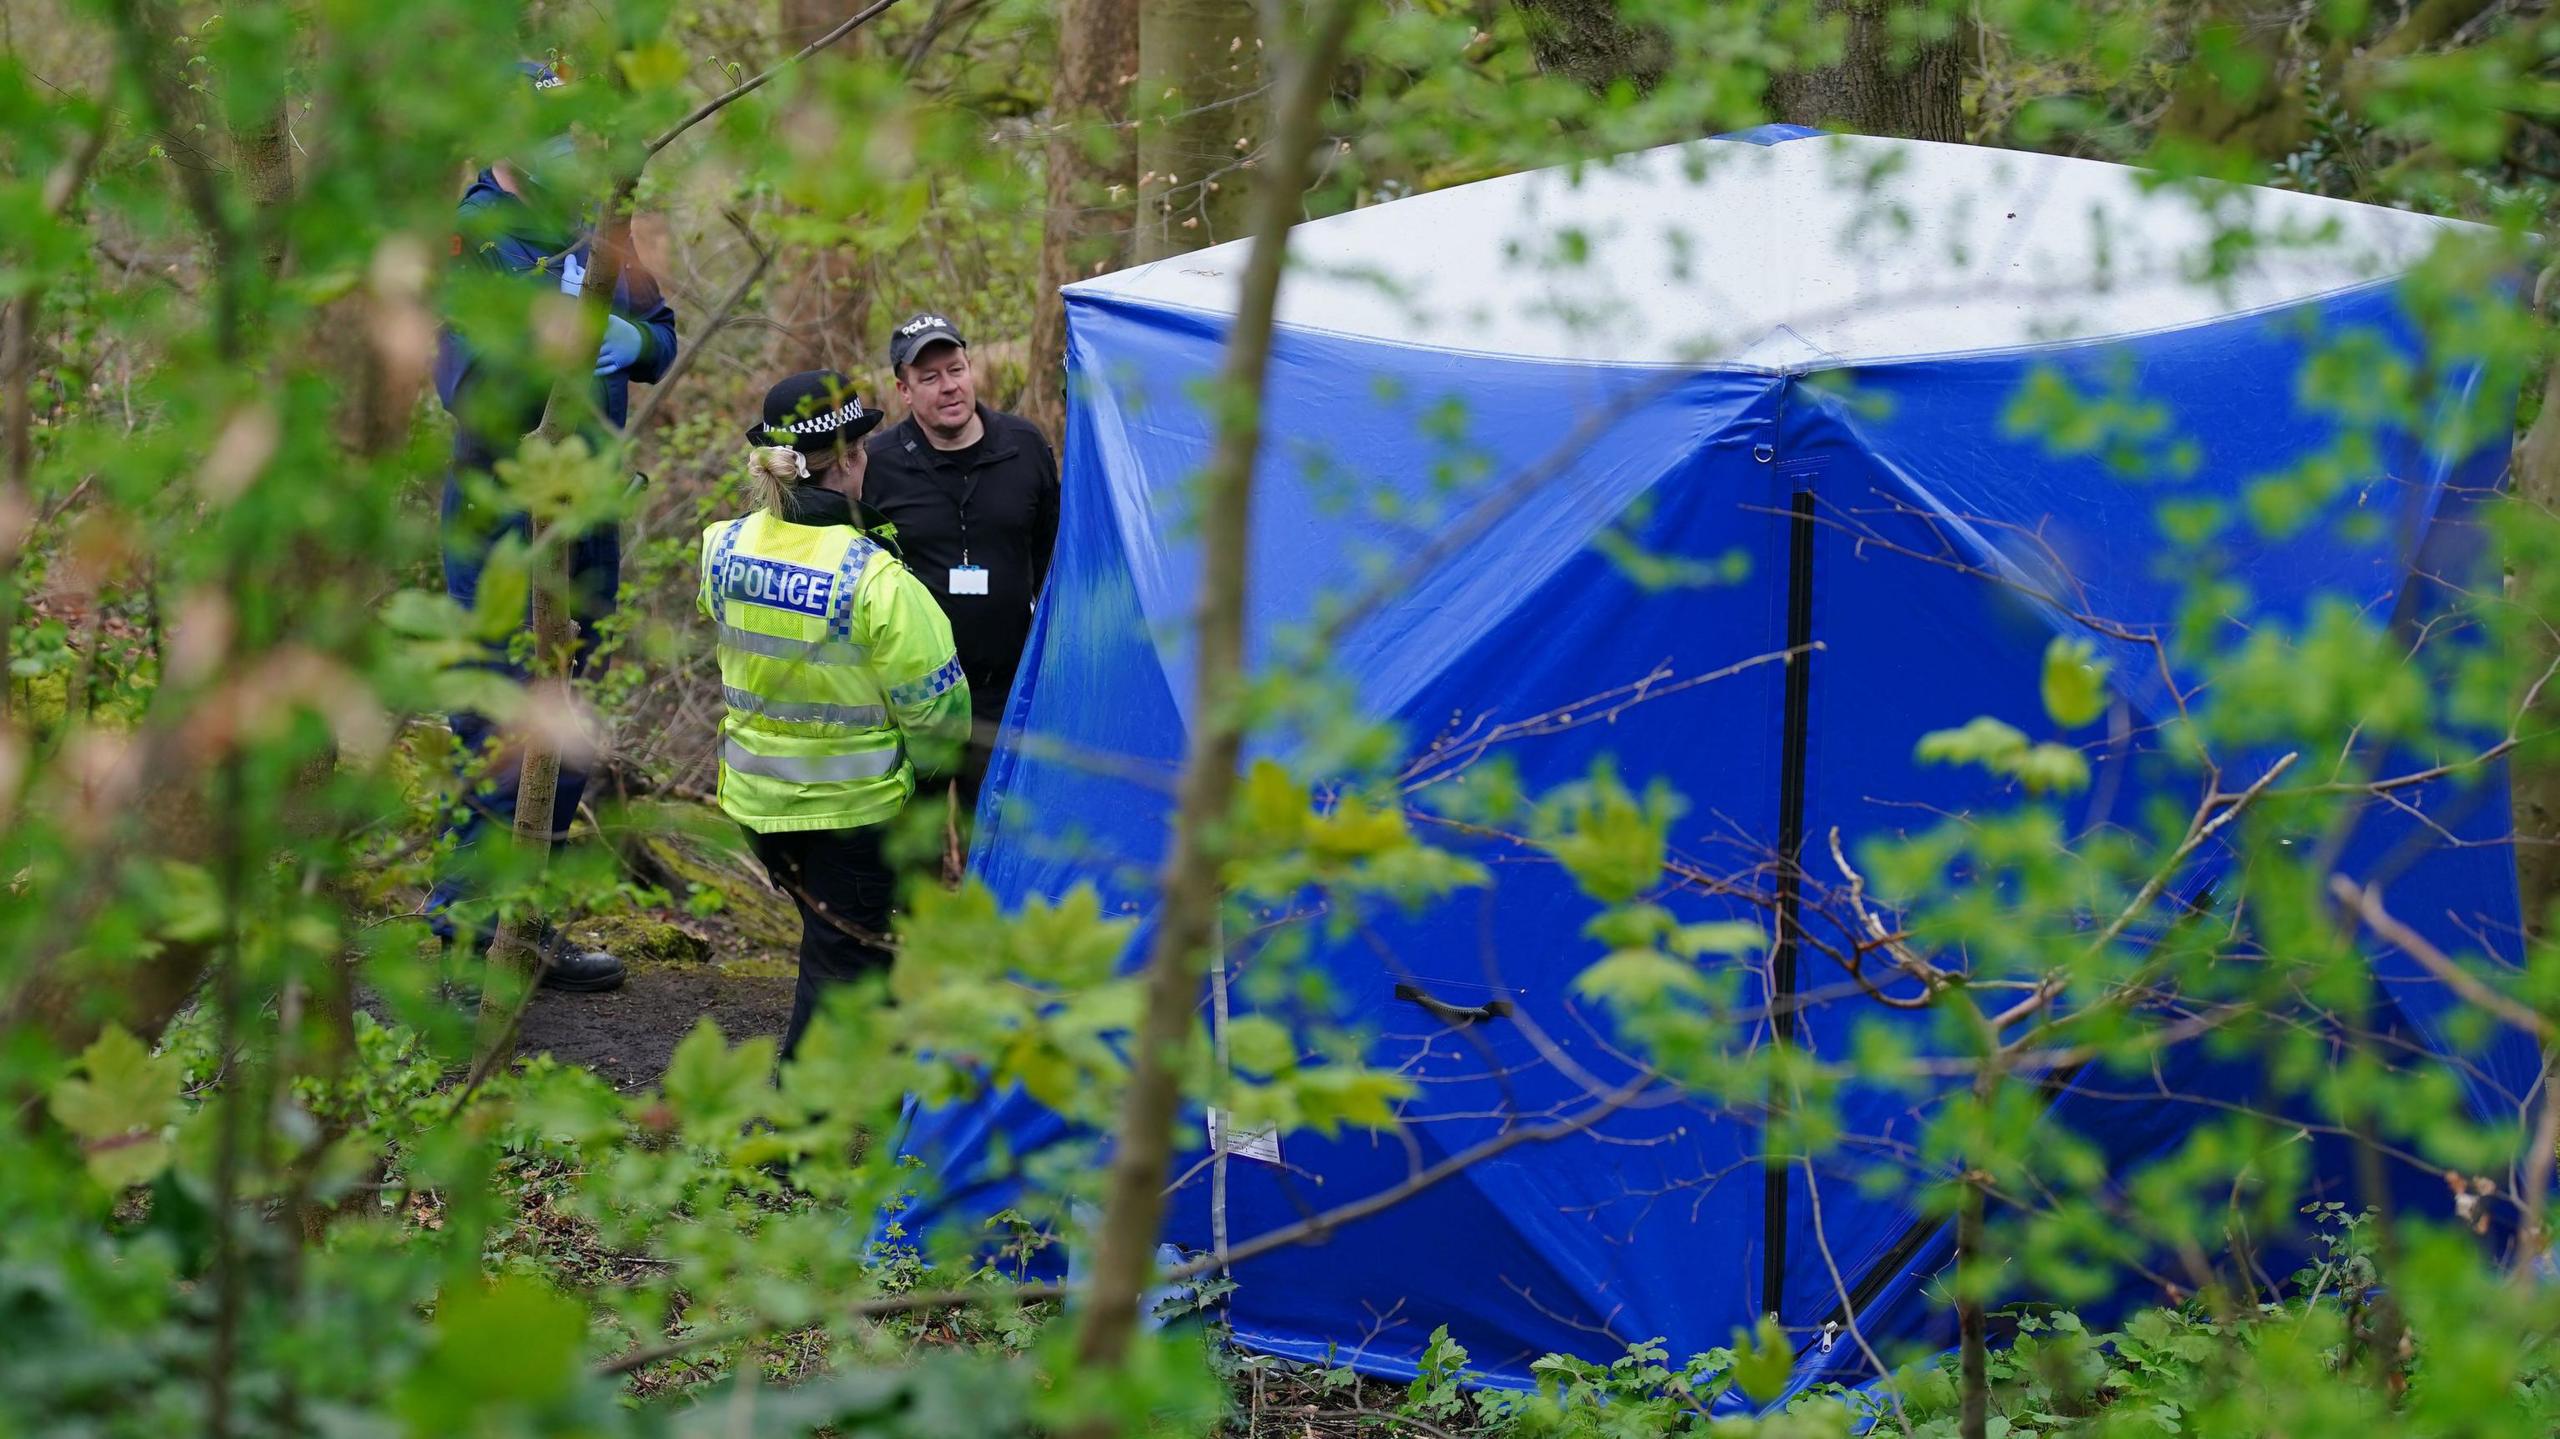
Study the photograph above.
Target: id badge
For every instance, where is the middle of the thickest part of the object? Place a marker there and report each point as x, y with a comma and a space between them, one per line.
968, 579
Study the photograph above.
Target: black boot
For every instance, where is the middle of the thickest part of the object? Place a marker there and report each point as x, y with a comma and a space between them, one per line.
569, 965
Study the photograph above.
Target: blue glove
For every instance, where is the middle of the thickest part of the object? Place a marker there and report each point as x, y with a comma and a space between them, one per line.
621, 348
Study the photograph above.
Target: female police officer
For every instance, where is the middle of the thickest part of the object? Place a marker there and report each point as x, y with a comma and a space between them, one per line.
840, 677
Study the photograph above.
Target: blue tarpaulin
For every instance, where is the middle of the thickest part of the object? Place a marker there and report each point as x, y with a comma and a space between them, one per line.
1793, 370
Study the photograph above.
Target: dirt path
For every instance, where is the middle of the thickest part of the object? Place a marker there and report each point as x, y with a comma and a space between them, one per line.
627, 1036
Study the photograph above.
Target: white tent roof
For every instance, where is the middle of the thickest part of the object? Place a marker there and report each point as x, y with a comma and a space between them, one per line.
1801, 254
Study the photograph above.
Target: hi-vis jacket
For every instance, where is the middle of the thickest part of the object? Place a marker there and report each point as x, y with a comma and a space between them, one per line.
839, 673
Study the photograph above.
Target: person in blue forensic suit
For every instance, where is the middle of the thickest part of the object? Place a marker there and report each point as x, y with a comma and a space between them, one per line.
516, 221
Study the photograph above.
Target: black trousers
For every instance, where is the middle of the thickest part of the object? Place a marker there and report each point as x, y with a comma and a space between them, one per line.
841, 881
974, 759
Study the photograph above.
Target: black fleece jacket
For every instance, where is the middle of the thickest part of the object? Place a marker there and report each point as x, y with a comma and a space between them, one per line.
994, 506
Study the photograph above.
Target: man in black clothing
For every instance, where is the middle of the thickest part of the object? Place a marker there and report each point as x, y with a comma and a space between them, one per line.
974, 494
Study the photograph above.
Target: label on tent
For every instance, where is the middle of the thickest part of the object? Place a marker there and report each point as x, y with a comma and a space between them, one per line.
1262, 1144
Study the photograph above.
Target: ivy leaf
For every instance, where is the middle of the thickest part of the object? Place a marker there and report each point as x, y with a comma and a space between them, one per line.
2075, 682
120, 1107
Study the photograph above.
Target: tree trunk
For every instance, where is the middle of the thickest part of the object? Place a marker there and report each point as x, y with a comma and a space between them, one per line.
1199, 62
2536, 787
1088, 160
515, 960
1142, 1152
1972, 1332
1872, 90
1586, 42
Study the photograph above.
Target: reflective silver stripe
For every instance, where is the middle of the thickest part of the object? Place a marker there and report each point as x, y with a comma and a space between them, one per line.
796, 712
814, 769
783, 647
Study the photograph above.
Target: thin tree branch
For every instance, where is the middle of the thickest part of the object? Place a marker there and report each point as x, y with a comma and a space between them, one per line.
721, 102
1186, 927
2365, 903
2197, 834
720, 314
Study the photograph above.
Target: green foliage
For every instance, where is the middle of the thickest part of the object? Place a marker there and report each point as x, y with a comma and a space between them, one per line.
230, 1184
119, 1105
1611, 841
2075, 683
2046, 768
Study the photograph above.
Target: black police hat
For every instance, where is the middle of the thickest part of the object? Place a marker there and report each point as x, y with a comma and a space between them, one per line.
812, 411
916, 332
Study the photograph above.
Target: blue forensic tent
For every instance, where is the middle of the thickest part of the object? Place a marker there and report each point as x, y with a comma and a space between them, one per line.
1799, 360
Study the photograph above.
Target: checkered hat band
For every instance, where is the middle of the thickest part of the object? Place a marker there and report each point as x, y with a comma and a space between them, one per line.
828, 423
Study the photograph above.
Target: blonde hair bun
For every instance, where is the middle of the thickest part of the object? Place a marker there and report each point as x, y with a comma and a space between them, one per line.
774, 469
779, 463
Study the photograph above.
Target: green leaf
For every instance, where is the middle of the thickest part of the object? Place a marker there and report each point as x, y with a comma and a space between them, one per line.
514, 1342
1356, 830
2052, 769
421, 615
1728, 936
713, 1088
1763, 1361
656, 66
120, 1107
1259, 1045
566, 483
1636, 978
1982, 741
1330, 1096
1274, 808
2075, 682
505, 596
1612, 843
189, 903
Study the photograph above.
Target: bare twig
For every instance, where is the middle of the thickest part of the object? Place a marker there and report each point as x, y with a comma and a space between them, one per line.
2365, 903
2212, 816
722, 101
720, 314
